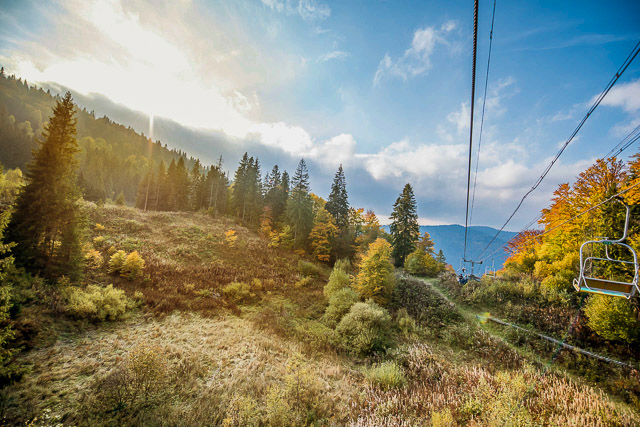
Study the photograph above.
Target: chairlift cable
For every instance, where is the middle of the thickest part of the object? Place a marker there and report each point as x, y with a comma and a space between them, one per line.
597, 102
484, 101
473, 95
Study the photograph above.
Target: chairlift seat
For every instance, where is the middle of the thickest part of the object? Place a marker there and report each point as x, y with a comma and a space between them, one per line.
607, 287
616, 288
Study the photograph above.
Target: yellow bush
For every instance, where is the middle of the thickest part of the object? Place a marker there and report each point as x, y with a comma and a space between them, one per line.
238, 292
98, 227
386, 375
302, 283
98, 241
231, 237
97, 303
94, 259
132, 266
116, 261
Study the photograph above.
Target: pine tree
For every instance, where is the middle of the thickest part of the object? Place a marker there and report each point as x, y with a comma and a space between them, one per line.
338, 203
195, 192
239, 196
404, 228
47, 221
299, 210
440, 257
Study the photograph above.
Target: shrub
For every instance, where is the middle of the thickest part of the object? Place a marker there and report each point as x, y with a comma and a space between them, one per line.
94, 259
612, 318
230, 237
386, 375
98, 241
308, 268
97, 303
375, 279
120, 199
132, 266
238, 292
405, 322
98, 227
365, 329
303, 283
422, 303
421, 264
337, 280
343, 264
116, 261
340, 303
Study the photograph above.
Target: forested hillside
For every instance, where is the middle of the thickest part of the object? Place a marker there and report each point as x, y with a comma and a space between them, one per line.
113, 158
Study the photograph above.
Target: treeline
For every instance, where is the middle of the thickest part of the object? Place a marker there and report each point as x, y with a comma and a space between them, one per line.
113, 159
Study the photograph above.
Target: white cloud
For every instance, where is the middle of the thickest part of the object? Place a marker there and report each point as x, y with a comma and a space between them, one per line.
416, 60
625, 96
335, 54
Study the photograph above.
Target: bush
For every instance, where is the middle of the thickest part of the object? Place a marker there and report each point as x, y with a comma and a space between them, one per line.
421, 264
339, 304
116, 261
94, 259
386, 375
405, 322
365, 329
303, 283
98, 241
338, 279
423, 304
97, 303
612, 318
132, 266
375, 279
342, 264
238, 292
308, 268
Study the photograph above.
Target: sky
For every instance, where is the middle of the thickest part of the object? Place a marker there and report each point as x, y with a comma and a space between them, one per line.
381, 87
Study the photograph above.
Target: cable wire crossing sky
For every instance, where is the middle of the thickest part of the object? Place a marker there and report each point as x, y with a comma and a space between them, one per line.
379, 87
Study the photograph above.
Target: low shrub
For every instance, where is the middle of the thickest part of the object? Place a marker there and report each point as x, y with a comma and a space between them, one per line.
98, 241
93, 259
116, 261
308, 268
238, 292
423, 304
303, 283
338, 279
339, 304
365, 329
132, 266
406, 324
386, 375
612, 318
97, 303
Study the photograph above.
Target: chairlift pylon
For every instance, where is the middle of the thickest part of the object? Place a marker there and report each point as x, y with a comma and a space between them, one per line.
587, 282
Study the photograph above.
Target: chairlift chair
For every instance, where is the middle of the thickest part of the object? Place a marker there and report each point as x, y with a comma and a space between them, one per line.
490, 271
587, 282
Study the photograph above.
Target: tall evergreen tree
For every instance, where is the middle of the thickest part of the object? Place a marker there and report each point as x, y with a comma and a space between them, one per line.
47, 221
240, 187
299, 212
338, 203
404, 228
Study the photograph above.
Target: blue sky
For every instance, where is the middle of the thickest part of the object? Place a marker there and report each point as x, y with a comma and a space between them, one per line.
380, 86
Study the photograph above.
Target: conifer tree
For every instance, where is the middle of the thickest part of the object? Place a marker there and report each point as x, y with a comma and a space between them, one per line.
338, 203
299, 210
404, 228
440, 257
239, 195
47, 221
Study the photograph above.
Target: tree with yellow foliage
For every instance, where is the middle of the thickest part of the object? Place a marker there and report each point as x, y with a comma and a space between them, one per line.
375, 279
321, 234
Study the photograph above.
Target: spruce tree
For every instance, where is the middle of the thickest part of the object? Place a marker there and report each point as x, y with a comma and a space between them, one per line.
239, 195
404, 228
299, 211
338, 203
47, 221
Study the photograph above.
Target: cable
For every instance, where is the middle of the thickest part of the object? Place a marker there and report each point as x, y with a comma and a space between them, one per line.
597, 102
473, 95
537, 236
627, 141
484, 101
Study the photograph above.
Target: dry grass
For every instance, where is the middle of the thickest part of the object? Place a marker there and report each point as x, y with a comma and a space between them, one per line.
229, 358
188, 260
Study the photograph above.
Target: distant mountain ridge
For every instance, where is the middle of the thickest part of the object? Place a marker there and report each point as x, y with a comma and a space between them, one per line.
450, 238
